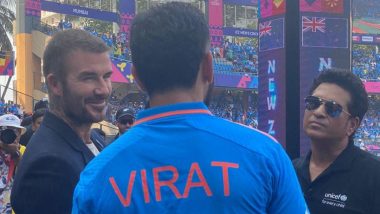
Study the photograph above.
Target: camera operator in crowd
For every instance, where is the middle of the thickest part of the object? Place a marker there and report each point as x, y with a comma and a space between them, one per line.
10, 154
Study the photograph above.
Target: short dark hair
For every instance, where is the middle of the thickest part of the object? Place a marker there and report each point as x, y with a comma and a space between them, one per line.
168, 43
41, 104
37, 114
345, 79
65, 42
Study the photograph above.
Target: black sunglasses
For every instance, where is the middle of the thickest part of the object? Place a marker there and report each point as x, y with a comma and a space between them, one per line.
332, 108
126, 121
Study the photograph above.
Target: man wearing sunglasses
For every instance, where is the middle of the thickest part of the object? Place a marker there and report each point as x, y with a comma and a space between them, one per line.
124, 120
336, 176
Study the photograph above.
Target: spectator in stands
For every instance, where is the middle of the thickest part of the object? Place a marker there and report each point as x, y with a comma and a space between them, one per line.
10, 154
2, 107
67, 24
60, 25
37, 118
178, 136
366, 62
41, 104
124, 120
336, 176
78, 70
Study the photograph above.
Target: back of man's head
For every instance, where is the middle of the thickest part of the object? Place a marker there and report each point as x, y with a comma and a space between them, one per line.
168, 43
41, 104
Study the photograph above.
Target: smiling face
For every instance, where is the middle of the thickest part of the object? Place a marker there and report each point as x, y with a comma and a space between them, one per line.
87, 86
319, 126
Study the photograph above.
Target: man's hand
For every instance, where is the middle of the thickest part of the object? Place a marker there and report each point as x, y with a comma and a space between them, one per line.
13, 149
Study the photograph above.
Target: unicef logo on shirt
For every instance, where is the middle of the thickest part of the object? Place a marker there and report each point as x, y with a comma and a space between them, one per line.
340, 197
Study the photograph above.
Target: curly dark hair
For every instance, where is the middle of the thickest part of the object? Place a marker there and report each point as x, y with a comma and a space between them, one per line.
168, 43
345, 79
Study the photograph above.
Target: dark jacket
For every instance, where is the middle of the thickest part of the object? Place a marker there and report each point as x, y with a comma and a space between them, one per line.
50, 169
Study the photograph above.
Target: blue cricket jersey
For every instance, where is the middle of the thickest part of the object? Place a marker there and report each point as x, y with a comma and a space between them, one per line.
182, 159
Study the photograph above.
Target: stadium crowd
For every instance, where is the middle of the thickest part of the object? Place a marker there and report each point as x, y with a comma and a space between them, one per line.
366, 8
10, 108
228, 105
368, 135
116, 41
236, 56
231, 56
366, 62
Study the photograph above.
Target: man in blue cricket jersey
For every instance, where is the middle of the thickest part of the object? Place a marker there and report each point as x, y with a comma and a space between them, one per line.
178, 157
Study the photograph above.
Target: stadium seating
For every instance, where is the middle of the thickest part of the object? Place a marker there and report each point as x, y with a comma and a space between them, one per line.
366, 62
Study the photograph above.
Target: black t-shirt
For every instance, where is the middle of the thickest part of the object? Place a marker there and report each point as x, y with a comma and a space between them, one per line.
350, 185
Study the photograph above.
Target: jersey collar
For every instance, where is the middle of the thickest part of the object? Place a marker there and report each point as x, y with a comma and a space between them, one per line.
171, 110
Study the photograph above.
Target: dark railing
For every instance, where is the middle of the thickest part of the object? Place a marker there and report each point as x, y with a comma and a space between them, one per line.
3, 87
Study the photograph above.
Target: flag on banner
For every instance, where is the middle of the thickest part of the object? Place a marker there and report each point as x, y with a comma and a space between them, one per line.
332, 6
271, 34
326, 6
271, 7
324, 32
121, 71
310, 5
265, 8
2, 60
6, 64
278, 7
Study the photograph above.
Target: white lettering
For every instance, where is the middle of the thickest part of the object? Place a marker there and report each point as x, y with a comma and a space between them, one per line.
271, 101
271, 66
271, 85
323, 64
271, 131
80, 11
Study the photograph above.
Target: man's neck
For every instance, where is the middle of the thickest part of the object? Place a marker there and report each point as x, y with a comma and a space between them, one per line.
82, 130
323, 154
173, 97
327, 152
